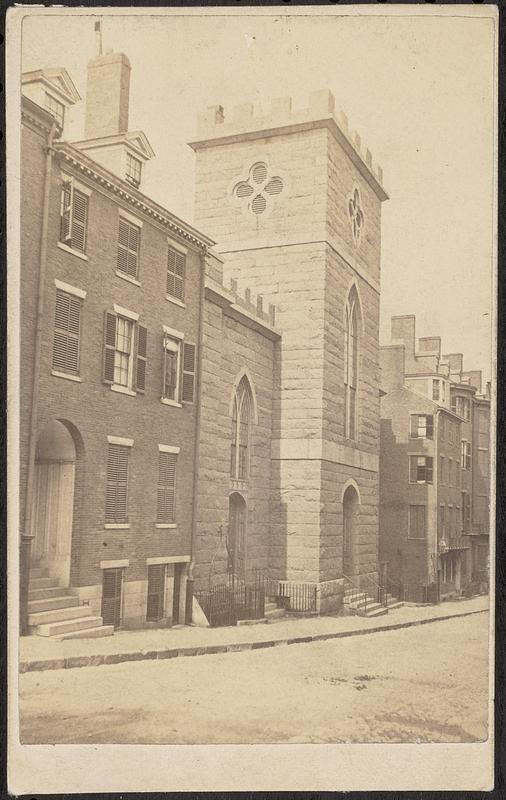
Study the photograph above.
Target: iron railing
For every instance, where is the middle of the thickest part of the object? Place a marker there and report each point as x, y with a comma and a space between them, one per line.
230, 602
293, 596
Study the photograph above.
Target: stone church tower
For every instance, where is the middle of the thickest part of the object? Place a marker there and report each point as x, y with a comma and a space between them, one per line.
293, 200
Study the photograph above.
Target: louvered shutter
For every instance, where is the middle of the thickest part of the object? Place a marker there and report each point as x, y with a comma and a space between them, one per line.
142, 343
128, 248
79, 220
110, 322
166, 497
176, 264
65, 212
156, 592
67, 331
189, 364
117, 484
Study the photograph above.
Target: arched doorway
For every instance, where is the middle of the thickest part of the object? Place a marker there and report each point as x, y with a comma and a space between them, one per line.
52, 515
237, 520
350, 514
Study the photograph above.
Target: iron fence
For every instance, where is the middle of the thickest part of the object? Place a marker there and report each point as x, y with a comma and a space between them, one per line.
228, 603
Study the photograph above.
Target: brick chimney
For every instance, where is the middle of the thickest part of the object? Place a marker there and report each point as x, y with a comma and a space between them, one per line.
107, 95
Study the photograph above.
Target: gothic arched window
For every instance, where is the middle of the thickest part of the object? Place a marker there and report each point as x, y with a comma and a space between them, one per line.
351, 356
241, 423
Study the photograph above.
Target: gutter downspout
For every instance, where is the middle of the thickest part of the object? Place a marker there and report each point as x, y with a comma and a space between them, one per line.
196, 451
26, 531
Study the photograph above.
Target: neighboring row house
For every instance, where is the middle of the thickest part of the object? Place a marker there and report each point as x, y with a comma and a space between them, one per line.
434, 469
192, 411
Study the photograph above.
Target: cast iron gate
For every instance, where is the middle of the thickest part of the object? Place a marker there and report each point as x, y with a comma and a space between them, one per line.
227, 603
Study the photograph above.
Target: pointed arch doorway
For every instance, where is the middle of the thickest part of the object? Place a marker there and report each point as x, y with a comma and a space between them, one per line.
350, 515
237, 520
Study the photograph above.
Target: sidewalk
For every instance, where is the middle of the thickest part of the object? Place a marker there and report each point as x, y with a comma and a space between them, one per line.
38, 653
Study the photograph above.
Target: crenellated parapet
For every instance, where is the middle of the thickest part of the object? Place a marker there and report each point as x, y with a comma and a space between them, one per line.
245, 121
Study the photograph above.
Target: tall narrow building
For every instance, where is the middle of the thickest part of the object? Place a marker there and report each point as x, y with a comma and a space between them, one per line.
294, 201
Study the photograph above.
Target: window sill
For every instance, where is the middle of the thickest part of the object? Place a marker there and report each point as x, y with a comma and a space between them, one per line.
127, 278
71, 250
115, 387
66, 375
120, 526
166, 525
168, 402
175, 300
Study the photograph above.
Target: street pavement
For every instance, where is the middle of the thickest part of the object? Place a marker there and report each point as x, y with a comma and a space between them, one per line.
426, 683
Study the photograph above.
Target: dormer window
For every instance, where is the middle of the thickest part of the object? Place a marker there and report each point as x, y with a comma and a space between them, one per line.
55, 108
133, 170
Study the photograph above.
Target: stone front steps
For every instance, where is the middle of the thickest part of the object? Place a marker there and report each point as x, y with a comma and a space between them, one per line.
272, 611
364, 606
54, 612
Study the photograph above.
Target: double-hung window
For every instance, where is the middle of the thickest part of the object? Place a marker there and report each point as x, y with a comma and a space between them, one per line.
178, 368
116, 502
438, 390
176, 269
461, 406
125, 351
133, 170
129, 238
420, 469
74, 214
422, 426
166, 489
67, 329
465, 454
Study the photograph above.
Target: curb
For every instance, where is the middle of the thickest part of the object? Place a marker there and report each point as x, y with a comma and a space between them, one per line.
97, 660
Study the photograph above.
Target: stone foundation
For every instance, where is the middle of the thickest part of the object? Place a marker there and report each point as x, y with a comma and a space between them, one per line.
330, 595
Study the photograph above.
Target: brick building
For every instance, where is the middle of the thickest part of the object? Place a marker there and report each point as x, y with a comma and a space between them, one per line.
191, 409
434, 495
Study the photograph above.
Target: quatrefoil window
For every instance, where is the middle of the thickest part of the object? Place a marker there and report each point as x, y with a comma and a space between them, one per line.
356, 215
258, 189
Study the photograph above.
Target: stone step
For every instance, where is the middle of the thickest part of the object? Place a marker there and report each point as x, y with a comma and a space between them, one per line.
275, 613
396, 604
49, 603
370, 607
55, 615
68, 626
42, 583
51, 591
38, 572
270, 606
88, 633
377, 612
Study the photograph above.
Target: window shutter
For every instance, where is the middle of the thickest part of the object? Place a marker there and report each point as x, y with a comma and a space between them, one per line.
79, 220
117, 484
110, 322
65, 212
67, 333
156, 592
414, 426
176, 266
430, 426
166, 496
142, 342
128, 248
189, 359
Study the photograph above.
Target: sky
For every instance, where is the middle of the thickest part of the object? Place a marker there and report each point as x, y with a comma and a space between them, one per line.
419, 90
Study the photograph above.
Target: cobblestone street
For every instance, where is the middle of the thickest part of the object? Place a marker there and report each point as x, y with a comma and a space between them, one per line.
426, 684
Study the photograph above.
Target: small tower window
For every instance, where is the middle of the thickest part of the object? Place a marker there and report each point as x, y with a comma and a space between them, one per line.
133, 170
55, 108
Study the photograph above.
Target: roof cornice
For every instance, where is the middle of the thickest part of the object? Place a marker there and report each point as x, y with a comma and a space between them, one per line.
37, 116
107, 180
